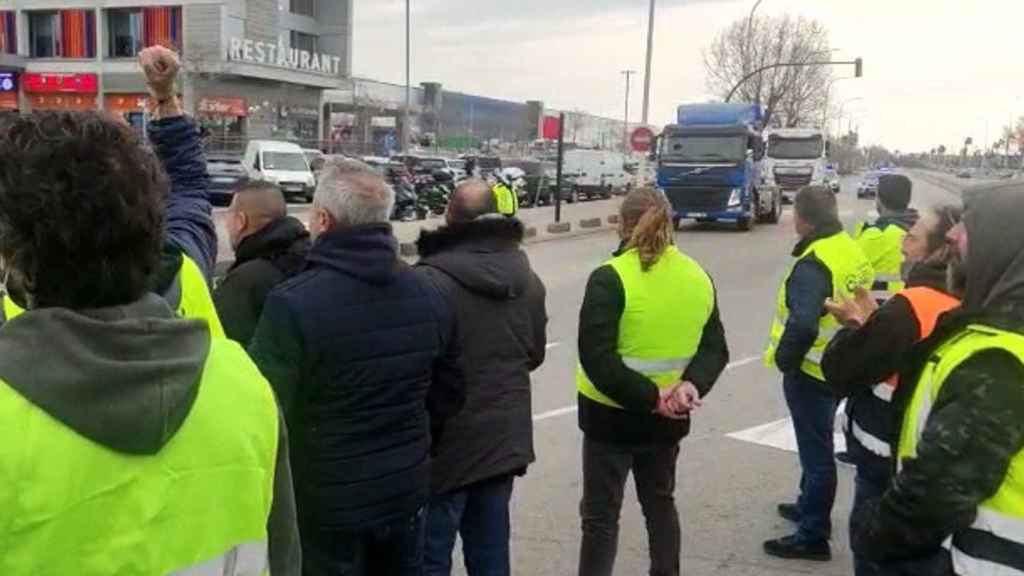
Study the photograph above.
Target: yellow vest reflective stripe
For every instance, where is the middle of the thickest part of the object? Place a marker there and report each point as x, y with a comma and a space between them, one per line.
849, 268
994, 544
663, 321
189, 295
199, 506
884, 250
508, 202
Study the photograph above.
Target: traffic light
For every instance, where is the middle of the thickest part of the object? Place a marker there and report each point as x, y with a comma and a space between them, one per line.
859, 63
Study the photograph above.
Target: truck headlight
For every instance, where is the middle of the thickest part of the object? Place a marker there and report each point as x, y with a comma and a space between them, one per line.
736, 197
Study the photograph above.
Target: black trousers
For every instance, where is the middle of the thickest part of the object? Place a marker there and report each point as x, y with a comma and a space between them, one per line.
605, 469
394, 549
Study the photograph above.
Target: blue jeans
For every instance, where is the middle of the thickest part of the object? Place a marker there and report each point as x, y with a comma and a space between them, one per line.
813, 409
394, 549
480, 514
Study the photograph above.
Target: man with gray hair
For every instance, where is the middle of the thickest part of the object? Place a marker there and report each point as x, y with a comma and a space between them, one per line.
362, 355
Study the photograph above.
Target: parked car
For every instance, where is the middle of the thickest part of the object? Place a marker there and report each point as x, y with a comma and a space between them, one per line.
540, 182
483, 166
868, 187
965, 173
282, 163
226, 174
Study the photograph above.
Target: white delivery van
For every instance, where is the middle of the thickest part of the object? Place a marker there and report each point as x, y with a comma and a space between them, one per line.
282, 163
597, 173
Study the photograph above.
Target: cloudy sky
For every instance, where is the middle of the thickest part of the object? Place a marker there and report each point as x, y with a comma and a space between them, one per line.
936, 71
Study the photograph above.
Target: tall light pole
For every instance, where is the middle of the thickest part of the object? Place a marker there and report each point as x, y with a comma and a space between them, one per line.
647, 70
408, 77
625, 123
749, 39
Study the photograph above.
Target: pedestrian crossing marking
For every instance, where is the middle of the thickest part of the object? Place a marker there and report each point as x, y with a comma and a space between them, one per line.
780, 435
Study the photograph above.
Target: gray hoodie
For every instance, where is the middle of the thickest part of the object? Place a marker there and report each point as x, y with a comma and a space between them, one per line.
127, 378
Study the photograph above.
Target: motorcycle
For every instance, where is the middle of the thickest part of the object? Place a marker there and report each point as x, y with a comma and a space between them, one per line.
407, 205
433, 191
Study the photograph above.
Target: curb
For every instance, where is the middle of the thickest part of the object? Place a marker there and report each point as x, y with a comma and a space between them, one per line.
590, 223
559, 228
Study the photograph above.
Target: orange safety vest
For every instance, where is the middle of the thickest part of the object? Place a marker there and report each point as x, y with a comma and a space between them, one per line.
928, 305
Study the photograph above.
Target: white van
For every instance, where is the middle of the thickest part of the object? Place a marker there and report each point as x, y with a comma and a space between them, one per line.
597, 173
282, 163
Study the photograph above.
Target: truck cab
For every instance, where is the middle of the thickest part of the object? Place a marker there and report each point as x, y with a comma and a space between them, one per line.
797, 157
708, 165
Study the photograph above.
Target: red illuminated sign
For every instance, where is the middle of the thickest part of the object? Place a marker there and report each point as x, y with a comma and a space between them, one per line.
60, 83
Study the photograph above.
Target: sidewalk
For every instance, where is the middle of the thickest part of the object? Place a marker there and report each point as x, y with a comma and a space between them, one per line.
538, 219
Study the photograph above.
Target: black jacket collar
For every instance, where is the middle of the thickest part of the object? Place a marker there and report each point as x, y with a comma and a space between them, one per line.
493, 233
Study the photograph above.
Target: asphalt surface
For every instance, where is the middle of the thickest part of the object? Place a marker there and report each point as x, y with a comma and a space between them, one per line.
727, 489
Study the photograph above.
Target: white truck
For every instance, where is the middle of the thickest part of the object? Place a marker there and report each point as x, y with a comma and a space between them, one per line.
797, 157
598, 173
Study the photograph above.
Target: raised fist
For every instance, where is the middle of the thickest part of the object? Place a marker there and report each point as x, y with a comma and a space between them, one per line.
160, 66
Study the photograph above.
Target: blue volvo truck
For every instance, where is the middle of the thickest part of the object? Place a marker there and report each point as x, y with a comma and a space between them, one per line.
709, 166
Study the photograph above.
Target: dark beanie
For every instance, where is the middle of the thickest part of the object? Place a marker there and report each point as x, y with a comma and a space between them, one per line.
894, 191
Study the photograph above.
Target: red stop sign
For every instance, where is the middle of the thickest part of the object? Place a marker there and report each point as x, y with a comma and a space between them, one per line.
642, 139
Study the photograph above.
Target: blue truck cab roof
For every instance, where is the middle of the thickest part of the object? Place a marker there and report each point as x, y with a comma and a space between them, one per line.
720, 114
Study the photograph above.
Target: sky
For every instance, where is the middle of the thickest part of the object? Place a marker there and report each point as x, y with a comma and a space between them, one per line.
935, 71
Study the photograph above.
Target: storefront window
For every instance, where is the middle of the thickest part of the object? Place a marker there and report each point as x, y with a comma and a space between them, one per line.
304, 7
307, 42
125, 28
8, 33
132, 29
63, 34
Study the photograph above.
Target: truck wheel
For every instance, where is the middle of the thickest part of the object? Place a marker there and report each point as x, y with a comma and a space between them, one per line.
776, 214
676, 222
745, 224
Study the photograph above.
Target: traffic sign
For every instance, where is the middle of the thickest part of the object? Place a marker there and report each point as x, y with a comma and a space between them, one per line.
642, 139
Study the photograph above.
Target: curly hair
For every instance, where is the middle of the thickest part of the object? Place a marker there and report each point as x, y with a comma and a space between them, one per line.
81, 210
647, 224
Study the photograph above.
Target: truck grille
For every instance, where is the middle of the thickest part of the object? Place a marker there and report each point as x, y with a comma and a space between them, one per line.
792, 180
698, 198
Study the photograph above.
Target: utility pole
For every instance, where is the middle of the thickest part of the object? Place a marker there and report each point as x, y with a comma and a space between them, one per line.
408, 77
647, 70
625, 124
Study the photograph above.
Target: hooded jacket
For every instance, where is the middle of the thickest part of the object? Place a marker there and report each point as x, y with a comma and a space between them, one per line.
501, 317
353, 346
976, 425
126, 378
263, 260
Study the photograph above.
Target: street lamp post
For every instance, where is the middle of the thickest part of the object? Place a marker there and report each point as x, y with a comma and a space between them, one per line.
858, 63
408, 77
625, 122
647, 70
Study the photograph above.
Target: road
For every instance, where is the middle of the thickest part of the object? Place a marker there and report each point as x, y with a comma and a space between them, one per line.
727, 488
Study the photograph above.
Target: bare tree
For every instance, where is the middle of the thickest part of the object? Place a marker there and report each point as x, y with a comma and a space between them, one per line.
791, 95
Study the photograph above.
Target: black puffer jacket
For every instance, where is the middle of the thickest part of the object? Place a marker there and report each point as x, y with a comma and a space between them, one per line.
976, 425
353, 347
501, 323
262, 261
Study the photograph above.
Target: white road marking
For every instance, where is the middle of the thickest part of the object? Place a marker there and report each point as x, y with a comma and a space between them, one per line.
779, 434
565, 410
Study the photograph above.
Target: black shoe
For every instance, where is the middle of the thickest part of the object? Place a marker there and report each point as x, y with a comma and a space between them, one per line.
790, 512
845, 458
792, 549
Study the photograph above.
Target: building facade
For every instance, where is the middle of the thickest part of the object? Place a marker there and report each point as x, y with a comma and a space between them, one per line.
252, 68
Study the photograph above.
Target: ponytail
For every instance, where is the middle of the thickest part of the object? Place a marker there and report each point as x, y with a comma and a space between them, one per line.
647, 224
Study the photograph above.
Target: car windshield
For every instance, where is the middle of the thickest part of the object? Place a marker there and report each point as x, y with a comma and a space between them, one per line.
457, 164
287, 161
432, 164
681, 148
793, 148
223, 164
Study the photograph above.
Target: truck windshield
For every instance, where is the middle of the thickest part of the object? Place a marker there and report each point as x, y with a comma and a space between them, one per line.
682, 148
793, 148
